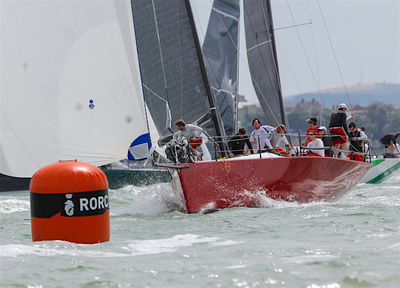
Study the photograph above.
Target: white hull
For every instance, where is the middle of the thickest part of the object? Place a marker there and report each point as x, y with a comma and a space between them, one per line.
381, 170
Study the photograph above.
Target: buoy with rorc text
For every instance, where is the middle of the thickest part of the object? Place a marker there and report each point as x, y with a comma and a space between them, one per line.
69, 201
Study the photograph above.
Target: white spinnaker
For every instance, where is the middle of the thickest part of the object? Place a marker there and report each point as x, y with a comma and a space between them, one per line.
70, 83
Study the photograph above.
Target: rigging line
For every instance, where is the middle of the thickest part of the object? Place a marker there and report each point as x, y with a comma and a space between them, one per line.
282, 51
333, 50
204, 36
321, 116
168, 110
160, 50
269, 77
198, 27
292, 26
180, 62
154, 93
315, 49
305, 54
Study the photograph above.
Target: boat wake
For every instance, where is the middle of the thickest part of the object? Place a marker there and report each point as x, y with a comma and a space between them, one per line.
259, 199
266, 202
148, 200
133, 248
10, 203
160, 199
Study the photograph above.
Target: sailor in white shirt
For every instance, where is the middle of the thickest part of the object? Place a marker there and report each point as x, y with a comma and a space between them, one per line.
192, 133
259, 135
315, 143
267, 136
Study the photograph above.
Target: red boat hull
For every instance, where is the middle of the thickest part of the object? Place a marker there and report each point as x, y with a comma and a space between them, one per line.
229, 183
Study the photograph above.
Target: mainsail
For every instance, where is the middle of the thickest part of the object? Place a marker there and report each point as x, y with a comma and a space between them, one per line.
262, 57
169, 63
70, 83
220, 49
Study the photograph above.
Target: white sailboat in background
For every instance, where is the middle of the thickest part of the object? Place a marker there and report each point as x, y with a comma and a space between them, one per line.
70, 84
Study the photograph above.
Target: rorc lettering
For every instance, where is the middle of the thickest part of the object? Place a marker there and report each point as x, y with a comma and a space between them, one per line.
93, 203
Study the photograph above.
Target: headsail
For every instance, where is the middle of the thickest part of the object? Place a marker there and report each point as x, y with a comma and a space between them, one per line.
220, 48
262, 57
70, 83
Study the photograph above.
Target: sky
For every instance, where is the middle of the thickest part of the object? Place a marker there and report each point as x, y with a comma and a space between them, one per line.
343, 43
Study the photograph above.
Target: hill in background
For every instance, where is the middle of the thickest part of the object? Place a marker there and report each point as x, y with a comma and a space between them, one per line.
362, 94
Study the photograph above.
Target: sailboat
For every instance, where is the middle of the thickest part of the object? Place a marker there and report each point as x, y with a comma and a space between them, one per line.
223, 182
81, 88
383, 168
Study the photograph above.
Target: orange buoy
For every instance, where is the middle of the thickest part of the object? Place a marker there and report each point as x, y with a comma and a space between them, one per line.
69, 201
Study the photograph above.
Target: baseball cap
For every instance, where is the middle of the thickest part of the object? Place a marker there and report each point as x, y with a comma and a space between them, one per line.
342, 105
312, 119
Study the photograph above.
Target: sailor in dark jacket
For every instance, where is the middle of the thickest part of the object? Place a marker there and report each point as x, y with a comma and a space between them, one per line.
356, 138
338, 127
237, 142
389, 141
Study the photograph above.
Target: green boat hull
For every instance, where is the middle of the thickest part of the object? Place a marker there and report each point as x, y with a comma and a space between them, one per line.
381, 170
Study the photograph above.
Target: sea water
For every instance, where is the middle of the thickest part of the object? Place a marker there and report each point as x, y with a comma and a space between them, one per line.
352, 243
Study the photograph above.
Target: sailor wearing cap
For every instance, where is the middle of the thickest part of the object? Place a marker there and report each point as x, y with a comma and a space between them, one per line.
338, 127
312, 123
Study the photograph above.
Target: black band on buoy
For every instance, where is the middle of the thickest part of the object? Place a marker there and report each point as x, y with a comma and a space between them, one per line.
80, 204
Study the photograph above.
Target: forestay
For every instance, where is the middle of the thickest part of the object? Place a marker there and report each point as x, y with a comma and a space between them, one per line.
70, 83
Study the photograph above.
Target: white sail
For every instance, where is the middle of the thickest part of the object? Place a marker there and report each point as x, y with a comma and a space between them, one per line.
70, 83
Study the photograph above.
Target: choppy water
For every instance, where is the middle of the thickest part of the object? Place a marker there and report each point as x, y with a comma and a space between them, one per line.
352, 243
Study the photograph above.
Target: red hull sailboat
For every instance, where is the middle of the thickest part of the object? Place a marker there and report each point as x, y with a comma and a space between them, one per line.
246, 181
201, 90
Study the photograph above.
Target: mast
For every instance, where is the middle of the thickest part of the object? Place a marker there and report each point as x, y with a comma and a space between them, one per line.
215, 117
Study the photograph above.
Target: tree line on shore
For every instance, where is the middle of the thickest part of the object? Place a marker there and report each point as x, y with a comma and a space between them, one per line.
378, 118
